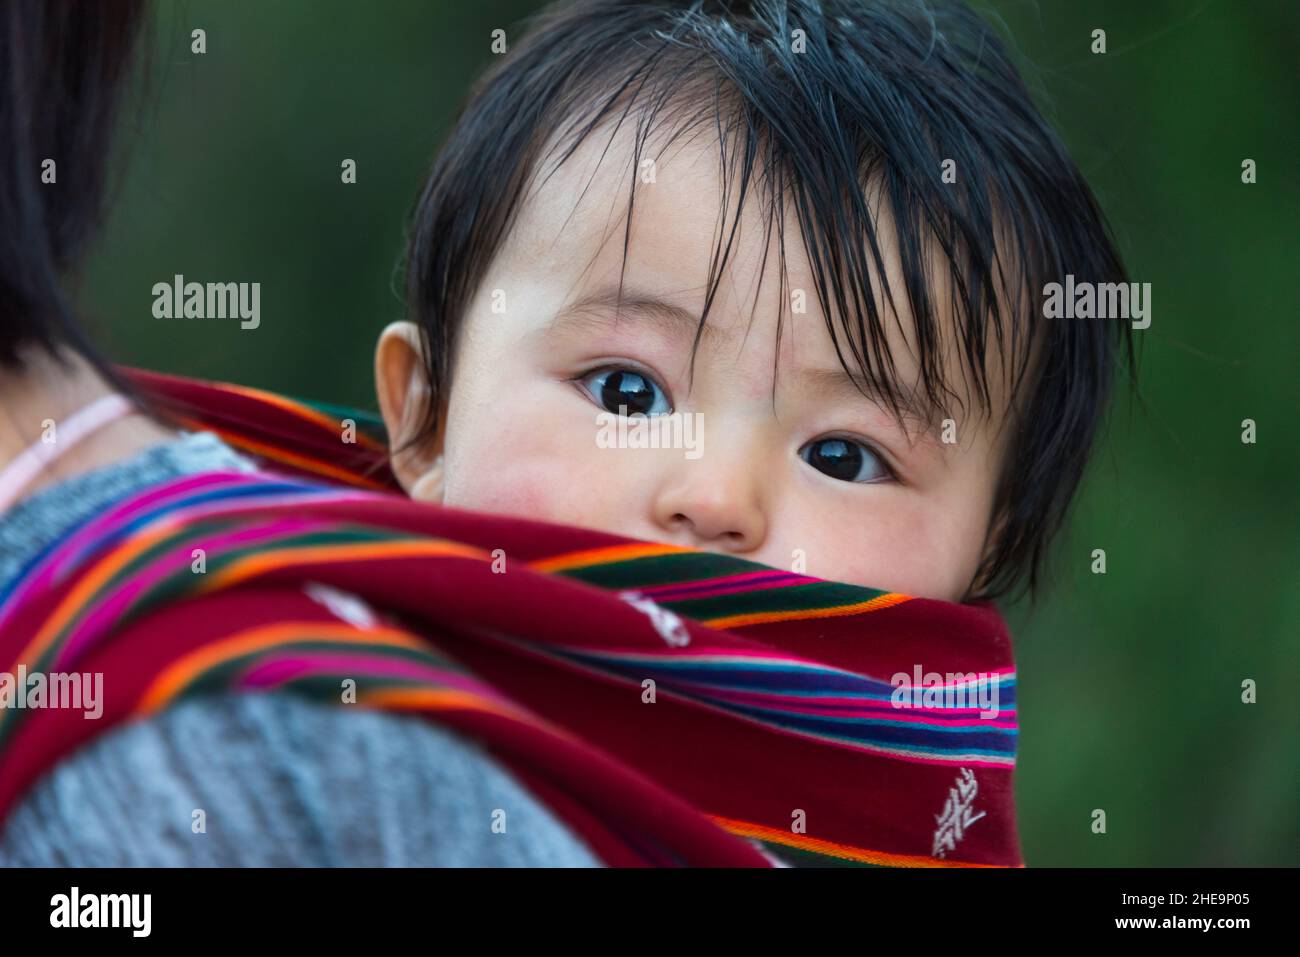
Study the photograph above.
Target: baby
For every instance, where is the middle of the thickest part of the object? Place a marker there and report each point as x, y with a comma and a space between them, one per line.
822, 230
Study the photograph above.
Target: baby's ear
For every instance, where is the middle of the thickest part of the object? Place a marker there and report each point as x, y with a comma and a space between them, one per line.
403, 390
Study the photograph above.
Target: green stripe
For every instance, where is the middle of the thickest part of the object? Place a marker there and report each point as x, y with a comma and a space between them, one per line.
222, 675
662, 570
798, 857
811, 595
369, 424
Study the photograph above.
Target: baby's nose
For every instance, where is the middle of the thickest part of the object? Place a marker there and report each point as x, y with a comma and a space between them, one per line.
714, 505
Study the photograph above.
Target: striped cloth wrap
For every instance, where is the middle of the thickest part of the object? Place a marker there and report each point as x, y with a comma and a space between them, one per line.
672, 706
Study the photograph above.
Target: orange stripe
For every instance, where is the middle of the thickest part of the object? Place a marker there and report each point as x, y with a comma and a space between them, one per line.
759, 617
423, 699
182, 671
843, 851
277, 454
416, 699
251, 565
606, 553
295, 407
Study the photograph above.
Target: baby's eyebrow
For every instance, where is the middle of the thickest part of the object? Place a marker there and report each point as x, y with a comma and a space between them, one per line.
599, 307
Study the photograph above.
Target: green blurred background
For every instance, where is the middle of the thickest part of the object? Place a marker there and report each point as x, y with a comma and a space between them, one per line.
1130, 682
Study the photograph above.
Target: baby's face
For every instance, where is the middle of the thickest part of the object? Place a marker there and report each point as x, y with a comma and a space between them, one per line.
789, 465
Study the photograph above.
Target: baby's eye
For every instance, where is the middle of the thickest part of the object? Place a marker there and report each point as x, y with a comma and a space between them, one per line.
844, 460
635, 393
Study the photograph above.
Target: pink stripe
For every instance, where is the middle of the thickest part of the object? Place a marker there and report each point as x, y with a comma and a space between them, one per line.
729, 585
907, 715
744, 654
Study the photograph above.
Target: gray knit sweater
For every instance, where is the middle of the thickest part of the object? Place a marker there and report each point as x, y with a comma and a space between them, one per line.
280, 780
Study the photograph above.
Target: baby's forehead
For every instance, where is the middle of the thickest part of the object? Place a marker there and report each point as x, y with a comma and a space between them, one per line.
577, 204
656, 218
572, 236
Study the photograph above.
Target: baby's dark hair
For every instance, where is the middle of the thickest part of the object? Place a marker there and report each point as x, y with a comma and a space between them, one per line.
823, 104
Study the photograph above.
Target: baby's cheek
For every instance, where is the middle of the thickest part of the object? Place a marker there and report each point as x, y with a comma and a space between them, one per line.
500, 497
894, 547
505, 488
521, 472
936, 559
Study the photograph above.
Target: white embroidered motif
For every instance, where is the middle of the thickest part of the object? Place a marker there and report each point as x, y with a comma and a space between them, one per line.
957, 814
669, 626
348, 607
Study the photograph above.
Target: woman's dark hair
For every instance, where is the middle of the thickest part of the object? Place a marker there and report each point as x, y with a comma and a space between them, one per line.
63, 67
817, 104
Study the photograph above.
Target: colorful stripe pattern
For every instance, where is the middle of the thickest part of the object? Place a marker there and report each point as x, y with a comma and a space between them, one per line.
771, 690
